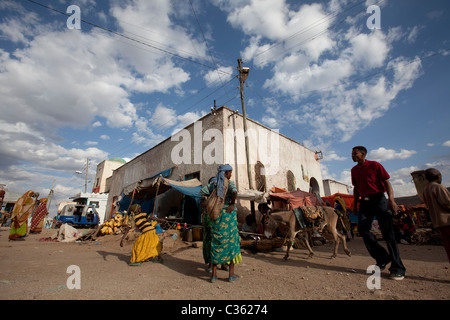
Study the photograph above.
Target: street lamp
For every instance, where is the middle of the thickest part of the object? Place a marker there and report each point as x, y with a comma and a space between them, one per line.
243, 74
85, 179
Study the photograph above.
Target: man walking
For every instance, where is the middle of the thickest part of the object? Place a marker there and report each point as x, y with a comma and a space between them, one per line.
371, 181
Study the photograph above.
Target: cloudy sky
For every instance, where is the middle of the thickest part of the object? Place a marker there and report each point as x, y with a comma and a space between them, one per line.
139, 70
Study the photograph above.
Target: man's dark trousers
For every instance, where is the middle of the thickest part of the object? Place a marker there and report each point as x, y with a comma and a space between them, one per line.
376, 206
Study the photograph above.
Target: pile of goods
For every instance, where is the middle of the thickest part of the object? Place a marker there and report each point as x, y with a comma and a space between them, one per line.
426, 236
114, 226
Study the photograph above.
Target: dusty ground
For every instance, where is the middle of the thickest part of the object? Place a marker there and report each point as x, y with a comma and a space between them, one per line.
38, 270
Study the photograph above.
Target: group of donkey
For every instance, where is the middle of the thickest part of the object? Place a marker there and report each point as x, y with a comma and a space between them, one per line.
288, 225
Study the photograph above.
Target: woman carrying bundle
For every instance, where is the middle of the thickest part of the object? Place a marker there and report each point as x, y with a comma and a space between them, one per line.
225, 240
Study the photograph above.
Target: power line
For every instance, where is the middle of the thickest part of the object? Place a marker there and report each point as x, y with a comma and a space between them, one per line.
132, 39
392, 67
184, 111
326, 18
310, 27
204, 38
157, 48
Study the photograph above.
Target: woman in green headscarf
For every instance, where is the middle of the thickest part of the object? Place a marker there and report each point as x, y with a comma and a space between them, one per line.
225, 239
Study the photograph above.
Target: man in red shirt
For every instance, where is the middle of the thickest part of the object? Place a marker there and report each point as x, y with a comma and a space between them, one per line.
371, 181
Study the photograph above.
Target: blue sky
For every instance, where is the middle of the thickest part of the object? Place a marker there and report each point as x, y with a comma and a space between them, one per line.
318, 74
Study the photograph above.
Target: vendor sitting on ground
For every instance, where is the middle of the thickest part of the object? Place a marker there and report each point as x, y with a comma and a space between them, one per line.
147, 245
250, 224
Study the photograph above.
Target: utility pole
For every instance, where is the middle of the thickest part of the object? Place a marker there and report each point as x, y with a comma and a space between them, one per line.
85, 179
50, 195
243, 74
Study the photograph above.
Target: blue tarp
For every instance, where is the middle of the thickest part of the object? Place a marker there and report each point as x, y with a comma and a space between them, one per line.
191, 205
164, 174
146, 205
191, 215
193, 192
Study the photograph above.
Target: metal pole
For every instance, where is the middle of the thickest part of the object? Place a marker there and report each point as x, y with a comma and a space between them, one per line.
85, 180
247, 153
50, 195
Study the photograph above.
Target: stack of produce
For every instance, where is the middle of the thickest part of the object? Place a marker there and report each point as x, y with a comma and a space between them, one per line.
114, 225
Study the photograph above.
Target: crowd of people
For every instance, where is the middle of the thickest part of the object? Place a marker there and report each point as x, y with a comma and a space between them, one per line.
28, 205
221, 239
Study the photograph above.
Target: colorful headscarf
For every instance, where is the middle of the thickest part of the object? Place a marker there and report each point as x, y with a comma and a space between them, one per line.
24, 206
221, 179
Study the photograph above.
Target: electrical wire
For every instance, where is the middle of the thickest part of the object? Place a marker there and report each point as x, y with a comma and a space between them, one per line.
174, 54
312, 37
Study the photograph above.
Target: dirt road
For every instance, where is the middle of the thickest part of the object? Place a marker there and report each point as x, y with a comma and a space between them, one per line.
32, 269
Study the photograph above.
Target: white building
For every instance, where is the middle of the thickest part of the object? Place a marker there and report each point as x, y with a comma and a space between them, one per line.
98, 200
218, 138
104, 171
331, 187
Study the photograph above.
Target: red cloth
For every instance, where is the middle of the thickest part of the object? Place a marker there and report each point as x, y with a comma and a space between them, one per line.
369, 178
348, 199
296, 198
39, 214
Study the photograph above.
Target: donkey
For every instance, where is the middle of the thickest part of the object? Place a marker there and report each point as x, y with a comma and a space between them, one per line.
287, 224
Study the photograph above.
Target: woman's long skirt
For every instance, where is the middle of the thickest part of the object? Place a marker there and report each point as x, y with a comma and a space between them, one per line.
225, 240
146, 246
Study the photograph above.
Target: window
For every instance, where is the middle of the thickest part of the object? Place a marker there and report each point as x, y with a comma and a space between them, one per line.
194, 175
96, 204
290, 181
260, 177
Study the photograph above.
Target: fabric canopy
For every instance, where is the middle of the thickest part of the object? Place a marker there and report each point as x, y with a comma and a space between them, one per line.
145, 188
145, 195
348, 199
189, 188
296, 198
253, 195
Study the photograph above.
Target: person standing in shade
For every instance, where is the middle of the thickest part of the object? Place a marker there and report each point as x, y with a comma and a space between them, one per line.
207, 225
371, 181
437, 199
224, 232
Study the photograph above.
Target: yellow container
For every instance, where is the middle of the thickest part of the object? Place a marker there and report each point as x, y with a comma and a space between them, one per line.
197, 234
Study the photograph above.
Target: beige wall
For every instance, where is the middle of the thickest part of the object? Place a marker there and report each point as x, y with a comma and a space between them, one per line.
229, 149
291, 155
104, 171
331, 187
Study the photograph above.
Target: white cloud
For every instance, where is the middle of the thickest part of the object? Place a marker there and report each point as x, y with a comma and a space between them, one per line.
446, 143
219, 76
275, 21
412, 37
309, 55
57, 78
383, 154
19, 144
163, 117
